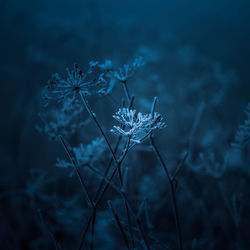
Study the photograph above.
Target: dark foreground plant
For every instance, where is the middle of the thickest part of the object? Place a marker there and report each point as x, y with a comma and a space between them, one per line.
135, 128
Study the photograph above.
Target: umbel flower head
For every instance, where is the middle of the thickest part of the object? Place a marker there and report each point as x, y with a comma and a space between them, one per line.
127, 70
94, 80
136, 126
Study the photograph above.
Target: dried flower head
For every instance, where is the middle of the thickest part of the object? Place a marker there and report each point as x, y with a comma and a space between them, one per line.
58, 122
97, 79
242, 136
137, 126
76, 81
88, 154
127, 70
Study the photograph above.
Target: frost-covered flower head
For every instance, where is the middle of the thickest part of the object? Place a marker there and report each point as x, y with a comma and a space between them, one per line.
127, 70
94, 80
136, 126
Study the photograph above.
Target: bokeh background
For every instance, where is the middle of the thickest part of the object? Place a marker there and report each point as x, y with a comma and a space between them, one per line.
197, 63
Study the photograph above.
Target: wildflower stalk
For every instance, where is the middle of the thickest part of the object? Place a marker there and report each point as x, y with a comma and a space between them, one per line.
119, 224
107, 169
98, 197
113, 173
130, 225
138, 223
83, 237
102, 132
125, 87
57, 246
195, 124
173, 194
89, 201
171, 182
93, 228
123, 195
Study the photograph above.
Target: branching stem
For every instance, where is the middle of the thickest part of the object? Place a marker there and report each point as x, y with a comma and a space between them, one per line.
173, 194
93, 116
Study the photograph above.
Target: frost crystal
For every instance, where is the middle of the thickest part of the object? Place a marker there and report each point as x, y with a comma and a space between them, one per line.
137, 126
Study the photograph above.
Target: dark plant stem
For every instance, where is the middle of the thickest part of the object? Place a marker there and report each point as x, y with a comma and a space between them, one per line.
125, 87
48, 230
119, 224
130, 225
89, 201
111, 160
173, 194
93, 116
195, 125
123, 195
143, 234
83, 238
113, 173
107, 169
93, 228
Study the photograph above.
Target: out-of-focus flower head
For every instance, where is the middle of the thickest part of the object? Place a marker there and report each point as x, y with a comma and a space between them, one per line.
57, 123
242, 136
127, 70
137, 125
88, 154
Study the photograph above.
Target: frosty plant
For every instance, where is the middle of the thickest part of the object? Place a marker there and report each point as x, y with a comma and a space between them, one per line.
138, 126
135, 127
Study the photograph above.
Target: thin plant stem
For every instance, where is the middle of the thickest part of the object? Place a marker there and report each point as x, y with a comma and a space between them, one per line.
180, 166
98, 173
107, 169
173, 194
125, 87
143, 234
195, 125
111, 160
93, 228
130, 225
83, 238
113, 174
138, 222
127, 201
46, 226
119, 224
89, 201
102, 132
